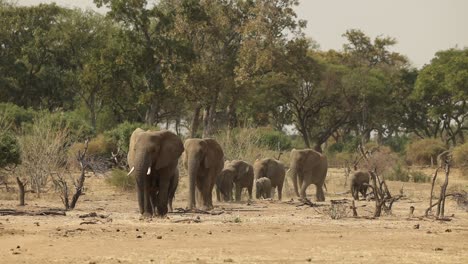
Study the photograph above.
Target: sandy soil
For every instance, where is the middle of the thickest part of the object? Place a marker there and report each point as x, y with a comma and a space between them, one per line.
259, 232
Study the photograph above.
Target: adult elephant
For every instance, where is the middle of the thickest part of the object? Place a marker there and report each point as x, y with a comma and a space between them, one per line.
272, 169
153, 157
239, 174
308, 167
203, 160
359, 184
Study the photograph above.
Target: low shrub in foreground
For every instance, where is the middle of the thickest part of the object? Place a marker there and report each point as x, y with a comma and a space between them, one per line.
119, 179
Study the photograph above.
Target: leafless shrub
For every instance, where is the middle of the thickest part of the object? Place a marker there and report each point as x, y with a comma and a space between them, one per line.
42, 153
64, 180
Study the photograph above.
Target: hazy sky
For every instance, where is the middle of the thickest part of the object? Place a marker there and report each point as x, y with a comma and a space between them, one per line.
421, 27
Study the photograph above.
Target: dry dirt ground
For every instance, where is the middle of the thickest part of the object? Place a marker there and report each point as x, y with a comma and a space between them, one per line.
260, 232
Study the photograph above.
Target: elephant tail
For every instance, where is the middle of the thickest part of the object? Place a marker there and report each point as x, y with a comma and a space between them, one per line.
325, 186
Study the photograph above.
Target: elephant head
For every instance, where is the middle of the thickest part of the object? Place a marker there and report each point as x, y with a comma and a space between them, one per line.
149, 152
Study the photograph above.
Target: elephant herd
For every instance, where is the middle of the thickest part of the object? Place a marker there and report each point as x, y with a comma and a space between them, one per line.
153, 160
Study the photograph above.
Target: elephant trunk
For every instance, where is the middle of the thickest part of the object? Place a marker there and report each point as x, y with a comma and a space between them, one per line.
143, 184
193, 165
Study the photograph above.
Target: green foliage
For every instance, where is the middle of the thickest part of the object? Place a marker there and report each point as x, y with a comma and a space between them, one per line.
396, 143
119, 179
423, 151
9, 149
460, 155
120, 135
16, 114
419, 176
397, 173
273, 140
442, 86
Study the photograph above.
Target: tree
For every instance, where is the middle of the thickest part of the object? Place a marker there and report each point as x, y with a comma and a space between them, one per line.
443, 87
154, 50
28, 48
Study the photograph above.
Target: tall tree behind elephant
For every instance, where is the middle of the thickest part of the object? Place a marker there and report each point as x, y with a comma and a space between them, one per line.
359, 184
242, 176
308, 167
272, 169
203, 160
153, 158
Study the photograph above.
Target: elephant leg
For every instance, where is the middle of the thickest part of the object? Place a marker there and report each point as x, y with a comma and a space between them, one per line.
301, 181
319, 193
238, 192
294, 179
249, 189
354, 192
218, 194
148, 208
163, 193
364, 192
303, 190
154, 191
209, 191
280, 191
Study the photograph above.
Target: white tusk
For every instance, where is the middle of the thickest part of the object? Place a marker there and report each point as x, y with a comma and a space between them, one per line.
149, 171
133, 168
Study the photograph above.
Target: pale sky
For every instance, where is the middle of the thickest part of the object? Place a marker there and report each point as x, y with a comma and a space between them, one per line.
421, 27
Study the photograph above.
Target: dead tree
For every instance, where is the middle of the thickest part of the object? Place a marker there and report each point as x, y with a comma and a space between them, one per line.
63, 185
382, 196
444, 160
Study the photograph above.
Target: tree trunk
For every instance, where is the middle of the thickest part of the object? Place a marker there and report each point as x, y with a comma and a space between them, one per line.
150, 117
208, 116
21, 191
195, 122
92, 110
232, 117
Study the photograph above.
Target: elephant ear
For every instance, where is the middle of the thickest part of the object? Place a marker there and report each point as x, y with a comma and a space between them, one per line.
170, 148
211, 152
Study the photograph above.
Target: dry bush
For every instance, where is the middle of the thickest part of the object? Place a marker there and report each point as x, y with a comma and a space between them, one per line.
383, 160
99, 152
243, 144
424, 151
460, 156
43, 153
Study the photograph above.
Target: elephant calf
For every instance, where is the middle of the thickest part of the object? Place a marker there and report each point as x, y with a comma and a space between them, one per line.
263, 188
359, 183
238, 174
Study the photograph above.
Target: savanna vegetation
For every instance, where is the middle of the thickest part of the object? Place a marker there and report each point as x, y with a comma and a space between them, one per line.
240, 71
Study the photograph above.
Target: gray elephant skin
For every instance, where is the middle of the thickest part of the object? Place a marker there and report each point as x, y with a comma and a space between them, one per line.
359, 184
238, 174
153, 158
203, 160
263, 188
308, 167
272, 169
